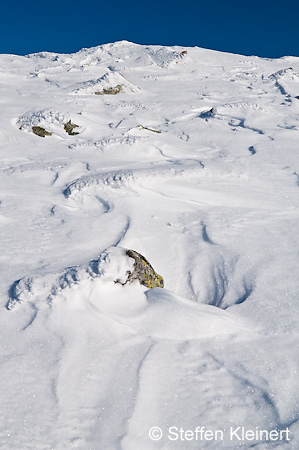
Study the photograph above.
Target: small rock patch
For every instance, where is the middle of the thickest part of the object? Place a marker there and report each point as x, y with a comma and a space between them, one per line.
69, 127
39, 131
110, 91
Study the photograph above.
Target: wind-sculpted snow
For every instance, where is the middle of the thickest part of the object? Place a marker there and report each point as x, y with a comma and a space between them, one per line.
43, 116
117, 54
111, 265
287, 82
189, 157
117, 178
108, 143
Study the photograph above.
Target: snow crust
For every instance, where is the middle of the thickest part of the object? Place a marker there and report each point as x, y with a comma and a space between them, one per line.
194, 164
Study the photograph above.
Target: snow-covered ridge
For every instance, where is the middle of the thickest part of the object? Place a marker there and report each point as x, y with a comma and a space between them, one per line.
190, 157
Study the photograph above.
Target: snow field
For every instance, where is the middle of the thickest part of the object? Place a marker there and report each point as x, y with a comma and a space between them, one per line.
193, 164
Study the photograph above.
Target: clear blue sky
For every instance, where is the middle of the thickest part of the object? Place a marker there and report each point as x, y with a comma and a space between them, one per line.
268, 28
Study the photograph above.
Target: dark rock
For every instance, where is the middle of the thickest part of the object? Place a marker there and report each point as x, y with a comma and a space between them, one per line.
69, 127
39, 131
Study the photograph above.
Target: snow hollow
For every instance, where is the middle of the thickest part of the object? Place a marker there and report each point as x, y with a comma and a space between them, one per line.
191, 158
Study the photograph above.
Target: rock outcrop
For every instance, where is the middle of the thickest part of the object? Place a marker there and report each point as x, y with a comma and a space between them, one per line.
143, 272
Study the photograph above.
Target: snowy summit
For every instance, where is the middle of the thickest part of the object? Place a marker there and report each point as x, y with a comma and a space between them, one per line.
189, 157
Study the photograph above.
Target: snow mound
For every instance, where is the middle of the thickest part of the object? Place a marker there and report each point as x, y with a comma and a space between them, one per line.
108, 81
115, 53
48, 118
112, 266
288, 73
166, 56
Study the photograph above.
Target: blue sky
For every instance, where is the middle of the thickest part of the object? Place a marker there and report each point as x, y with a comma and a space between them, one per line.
268, 28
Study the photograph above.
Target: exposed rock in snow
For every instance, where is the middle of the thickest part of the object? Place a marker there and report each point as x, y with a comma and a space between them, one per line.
69, 128
115, 265
46, 122
142, 271
39, 131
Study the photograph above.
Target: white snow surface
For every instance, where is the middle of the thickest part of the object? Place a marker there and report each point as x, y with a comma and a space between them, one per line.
211, 200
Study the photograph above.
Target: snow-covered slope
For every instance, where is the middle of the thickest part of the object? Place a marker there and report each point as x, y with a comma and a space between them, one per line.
190, 157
